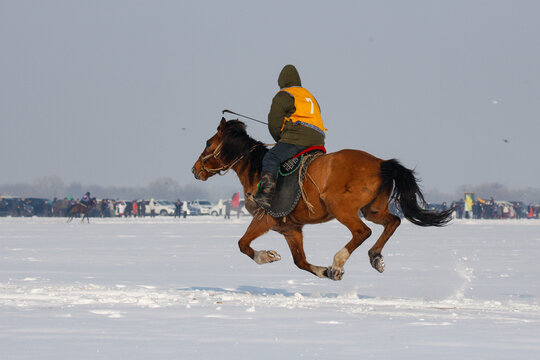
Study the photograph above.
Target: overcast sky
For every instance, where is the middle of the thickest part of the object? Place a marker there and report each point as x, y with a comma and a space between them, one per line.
124, 92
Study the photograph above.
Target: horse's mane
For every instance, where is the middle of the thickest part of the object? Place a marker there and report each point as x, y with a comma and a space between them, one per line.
236, 143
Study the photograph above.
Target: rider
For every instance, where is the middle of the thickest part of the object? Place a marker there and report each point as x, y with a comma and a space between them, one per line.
295, 123
86, 199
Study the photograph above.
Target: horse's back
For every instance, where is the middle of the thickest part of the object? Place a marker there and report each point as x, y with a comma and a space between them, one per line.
356, 160
348, 168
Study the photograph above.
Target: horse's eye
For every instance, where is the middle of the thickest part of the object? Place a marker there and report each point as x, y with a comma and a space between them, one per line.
208, 144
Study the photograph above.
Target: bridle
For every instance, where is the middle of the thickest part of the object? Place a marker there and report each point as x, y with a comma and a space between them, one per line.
216, 155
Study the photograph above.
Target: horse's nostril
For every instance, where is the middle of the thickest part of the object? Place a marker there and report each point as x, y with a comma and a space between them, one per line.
193, 170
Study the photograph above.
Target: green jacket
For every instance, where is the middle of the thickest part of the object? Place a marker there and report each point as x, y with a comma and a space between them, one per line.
282, 107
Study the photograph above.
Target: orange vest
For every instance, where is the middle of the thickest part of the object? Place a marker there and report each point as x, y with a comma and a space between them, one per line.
307, 111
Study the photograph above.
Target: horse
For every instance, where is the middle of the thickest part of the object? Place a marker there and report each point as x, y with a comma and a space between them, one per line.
337, 185
80, 208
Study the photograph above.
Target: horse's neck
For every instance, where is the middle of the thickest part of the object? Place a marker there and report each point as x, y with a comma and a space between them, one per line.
248, 185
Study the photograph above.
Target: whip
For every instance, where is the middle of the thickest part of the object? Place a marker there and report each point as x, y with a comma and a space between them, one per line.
244, 116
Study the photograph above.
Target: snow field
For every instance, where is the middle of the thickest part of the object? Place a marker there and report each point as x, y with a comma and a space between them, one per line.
169, 289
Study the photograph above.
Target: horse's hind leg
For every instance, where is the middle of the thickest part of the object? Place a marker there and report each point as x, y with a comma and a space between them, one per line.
390, 223
360, 232
295, 241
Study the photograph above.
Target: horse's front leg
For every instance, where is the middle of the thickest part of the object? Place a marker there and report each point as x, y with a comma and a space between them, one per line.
256, 228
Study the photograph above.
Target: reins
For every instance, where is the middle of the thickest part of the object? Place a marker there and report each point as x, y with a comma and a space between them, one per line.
216, 154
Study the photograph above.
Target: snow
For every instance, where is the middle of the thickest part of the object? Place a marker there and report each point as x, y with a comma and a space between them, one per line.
169, 289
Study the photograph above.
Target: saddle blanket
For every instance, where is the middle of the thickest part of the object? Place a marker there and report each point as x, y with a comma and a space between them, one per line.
291, 173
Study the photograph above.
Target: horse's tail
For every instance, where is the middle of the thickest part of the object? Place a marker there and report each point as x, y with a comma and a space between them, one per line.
407, 193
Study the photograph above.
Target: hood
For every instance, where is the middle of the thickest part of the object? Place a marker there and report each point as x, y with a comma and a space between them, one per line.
289, 77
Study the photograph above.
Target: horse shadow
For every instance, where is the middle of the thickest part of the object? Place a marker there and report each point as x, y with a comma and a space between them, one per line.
264, 291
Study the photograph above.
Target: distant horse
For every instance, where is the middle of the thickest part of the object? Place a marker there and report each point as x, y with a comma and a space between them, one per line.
80, 208
338, 186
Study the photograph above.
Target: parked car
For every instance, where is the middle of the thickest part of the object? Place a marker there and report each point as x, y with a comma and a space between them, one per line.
203, 205
219, 208
163, 207
193, 210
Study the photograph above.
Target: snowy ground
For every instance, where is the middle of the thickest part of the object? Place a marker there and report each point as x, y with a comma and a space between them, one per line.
179, 289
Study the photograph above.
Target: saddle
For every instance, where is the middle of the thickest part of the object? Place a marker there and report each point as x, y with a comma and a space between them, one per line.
291, 174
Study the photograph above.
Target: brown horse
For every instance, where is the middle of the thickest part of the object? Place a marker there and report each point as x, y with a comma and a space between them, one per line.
338, 186
80, 208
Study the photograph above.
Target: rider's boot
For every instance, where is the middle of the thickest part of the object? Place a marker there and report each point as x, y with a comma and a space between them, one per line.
266, 189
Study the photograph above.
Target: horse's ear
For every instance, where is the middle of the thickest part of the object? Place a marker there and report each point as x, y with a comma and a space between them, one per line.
222, 124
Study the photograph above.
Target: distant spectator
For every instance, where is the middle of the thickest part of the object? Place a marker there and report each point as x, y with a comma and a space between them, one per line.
184, 208
104, 207
54, 206
227, 209
235, 203
152, 207
518, 210
64, 205
142, 208
134, 208
178, 208
111, 208
127, 210
47, 209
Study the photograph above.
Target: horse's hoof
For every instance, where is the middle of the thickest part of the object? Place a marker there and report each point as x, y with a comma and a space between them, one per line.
266, 256
272, 256
378, 263
334, 273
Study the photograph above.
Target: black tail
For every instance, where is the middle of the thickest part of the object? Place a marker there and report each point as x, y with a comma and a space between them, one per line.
408, 195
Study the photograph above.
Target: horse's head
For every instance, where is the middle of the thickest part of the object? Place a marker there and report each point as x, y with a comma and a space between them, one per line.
209, 162
230, 147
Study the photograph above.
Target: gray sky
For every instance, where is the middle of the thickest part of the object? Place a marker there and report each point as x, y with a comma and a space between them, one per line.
124, 92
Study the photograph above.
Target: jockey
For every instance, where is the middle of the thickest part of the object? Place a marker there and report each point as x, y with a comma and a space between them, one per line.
295, 123
86, 199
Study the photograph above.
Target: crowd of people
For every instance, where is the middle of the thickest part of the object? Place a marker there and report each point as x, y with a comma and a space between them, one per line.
491, 209
105, 208
477, 209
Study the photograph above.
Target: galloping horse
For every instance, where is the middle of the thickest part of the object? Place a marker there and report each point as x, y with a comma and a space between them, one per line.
80, 208
338, 186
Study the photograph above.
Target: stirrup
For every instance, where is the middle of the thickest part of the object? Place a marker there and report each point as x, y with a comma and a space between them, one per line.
264, 202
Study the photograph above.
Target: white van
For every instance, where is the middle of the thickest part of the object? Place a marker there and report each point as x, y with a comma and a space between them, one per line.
203, 206
163, 207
